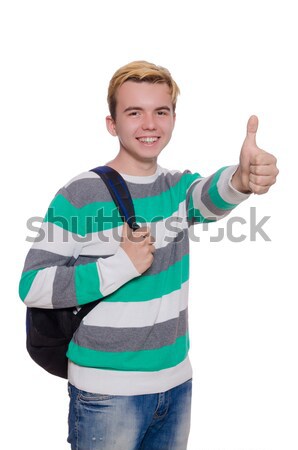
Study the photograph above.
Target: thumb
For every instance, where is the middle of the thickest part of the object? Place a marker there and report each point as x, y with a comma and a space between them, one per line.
252, 128
248, 148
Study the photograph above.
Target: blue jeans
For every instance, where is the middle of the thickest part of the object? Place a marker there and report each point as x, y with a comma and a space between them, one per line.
139, 422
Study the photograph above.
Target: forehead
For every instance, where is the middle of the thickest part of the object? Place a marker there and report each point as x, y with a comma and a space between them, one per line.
143, 95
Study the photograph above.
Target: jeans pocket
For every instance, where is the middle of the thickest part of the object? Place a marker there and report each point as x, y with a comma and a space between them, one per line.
89, 397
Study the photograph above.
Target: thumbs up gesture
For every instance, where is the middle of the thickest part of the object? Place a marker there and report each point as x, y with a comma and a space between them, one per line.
257, 169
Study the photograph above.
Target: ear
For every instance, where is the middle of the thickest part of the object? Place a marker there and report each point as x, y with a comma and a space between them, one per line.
174, 121
111, 125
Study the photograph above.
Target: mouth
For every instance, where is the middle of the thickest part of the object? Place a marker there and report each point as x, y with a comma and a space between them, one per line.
148, 140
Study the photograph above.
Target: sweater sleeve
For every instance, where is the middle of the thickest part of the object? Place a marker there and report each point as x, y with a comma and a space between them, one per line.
54, 275
212, 198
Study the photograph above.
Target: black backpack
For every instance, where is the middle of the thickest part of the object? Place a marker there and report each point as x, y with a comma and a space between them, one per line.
49, 331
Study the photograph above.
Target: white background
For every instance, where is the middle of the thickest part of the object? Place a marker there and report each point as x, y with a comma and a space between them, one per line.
231, 59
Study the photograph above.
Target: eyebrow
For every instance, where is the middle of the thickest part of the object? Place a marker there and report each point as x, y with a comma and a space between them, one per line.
137, 108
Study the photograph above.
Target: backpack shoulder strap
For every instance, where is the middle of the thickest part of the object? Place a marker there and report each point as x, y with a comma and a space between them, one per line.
119, 192
122, 198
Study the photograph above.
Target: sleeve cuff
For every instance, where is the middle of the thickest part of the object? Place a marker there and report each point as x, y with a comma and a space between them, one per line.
227, 190
115, 271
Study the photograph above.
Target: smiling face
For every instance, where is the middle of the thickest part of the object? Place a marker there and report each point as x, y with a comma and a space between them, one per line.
144, 121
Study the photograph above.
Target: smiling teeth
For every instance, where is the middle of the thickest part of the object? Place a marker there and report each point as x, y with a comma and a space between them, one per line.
148, 140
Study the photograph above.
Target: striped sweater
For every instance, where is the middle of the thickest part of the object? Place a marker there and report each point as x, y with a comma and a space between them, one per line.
136, 341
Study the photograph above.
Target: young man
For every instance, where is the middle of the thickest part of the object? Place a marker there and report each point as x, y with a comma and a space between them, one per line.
129, 372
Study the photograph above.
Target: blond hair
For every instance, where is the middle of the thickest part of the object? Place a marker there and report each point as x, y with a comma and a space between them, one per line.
140, 71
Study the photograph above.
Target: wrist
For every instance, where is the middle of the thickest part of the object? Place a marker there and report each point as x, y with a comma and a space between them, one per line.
238, 184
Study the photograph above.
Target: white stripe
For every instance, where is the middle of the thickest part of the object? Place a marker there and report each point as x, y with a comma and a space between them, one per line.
142, 179
115, 271
103, 243
55, 239
63, 242
41, 291
139, 314
120, 382
167, 230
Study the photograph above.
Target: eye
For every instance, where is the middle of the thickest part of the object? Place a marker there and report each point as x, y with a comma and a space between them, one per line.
162, 113
134, 113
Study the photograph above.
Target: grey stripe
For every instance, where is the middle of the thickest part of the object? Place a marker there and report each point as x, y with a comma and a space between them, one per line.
40, 259
64, 283
86, 190
64, 294
109, 339
208, 202
166, 257
64, 288
162, 184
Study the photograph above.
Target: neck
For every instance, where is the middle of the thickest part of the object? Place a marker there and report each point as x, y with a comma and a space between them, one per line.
131, 166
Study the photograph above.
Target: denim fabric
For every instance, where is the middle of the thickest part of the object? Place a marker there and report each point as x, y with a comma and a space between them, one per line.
140, 422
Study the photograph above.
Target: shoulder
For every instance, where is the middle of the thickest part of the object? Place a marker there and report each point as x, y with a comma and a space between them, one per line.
81, 178
83, 189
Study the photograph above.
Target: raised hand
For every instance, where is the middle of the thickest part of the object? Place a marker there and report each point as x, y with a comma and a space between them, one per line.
257, 169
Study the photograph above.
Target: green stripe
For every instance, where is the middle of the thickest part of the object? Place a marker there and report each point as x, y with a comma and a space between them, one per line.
87, 283
166, 203
89, 218
215, 198
26, 281
144, 360
98, 216
146, 287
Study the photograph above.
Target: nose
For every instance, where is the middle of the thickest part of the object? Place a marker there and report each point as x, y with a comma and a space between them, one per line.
148, 122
